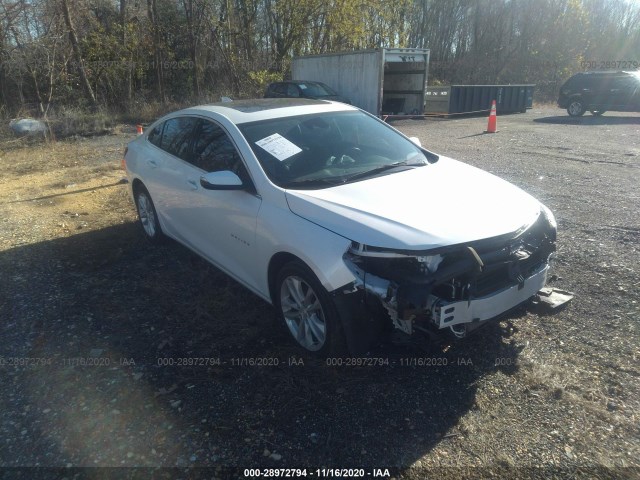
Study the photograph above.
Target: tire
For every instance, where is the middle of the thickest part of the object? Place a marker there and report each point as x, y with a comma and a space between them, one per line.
597, 113
576, 108
147, 215
307, 311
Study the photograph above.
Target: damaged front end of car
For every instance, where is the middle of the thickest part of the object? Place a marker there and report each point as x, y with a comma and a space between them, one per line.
453, 289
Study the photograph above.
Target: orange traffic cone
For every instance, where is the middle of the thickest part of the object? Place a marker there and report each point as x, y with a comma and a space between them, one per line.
139, 129
492, 126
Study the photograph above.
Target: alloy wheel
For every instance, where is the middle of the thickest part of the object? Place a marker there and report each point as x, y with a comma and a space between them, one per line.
147, 215
303, 313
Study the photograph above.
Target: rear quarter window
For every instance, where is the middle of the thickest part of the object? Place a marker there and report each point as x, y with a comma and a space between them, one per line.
155, 136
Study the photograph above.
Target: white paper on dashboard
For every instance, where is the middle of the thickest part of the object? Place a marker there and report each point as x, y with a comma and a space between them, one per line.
278, 146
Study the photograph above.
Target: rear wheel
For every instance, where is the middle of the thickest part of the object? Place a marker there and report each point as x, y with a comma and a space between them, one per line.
147, 215
307, 310
576, 108
597, 113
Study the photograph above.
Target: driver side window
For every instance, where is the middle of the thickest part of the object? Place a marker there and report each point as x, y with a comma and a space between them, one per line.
214, 151
292, 91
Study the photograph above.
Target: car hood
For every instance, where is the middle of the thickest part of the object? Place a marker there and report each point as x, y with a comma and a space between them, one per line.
440, 204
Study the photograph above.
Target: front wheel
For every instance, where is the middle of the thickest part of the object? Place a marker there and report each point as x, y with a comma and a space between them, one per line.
576, 108
307, 310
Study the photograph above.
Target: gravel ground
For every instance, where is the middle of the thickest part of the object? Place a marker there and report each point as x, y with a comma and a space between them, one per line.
88, 308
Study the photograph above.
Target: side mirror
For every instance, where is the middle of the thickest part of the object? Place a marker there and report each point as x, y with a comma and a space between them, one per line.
416, 140
222, 180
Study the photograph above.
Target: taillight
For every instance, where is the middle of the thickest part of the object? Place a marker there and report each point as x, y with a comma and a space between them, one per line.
123, 162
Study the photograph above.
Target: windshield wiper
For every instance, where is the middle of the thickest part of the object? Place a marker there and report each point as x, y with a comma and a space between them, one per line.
310, 182
333, 181
383, 168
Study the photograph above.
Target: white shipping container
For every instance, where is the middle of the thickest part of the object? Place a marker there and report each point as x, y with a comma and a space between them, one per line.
381, 81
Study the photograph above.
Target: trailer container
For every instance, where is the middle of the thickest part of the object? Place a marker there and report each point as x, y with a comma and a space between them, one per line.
380, 81
475, 98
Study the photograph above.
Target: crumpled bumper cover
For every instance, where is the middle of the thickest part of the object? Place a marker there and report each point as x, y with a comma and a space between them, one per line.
446, 314
458, 287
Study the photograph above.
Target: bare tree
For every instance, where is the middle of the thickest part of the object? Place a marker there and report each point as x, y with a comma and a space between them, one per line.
123, 52
73, 39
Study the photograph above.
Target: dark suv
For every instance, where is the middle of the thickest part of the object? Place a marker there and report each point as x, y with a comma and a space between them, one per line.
601, 91
302, 89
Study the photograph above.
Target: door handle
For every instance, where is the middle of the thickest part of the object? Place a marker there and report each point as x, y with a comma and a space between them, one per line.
615, 89
152, 163
192, 183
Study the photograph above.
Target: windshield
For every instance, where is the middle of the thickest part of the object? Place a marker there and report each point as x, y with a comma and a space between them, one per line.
322, 150
316, 90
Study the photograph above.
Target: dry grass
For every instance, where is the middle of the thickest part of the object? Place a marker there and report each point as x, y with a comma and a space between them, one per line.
147, 112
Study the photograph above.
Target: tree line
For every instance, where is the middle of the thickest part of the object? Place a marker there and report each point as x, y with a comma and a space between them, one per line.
121, 54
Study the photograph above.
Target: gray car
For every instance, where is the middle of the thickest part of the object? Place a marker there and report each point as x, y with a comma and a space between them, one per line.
598, 92
303, 89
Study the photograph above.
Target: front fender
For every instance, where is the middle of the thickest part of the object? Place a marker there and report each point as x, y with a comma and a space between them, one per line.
279, 230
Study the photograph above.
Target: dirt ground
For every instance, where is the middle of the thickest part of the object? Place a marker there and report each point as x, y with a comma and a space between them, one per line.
91, 314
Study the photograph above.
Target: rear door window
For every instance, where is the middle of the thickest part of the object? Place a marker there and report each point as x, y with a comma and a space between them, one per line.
177, 136
574, 82
156, 135
590, 82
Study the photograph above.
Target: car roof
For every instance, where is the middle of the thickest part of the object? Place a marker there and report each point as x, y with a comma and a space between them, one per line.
296, 81
304, 81
244, 111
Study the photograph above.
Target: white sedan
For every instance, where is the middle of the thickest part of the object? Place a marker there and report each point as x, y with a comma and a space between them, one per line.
349, 228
